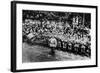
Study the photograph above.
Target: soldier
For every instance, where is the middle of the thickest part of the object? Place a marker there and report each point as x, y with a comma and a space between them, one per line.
76, 48
70, 47
64, 44
88, 50
53, 45
83, 50
59, 44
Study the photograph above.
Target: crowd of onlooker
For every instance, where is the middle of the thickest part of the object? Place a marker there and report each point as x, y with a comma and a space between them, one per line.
56, 28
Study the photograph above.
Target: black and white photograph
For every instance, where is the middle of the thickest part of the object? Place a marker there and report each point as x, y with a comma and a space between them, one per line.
48, 36
55, 36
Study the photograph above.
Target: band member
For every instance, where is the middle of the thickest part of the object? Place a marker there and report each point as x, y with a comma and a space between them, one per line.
76, 48
88, 50
64, 46
69, 47
59, 44
83, 50
53, 45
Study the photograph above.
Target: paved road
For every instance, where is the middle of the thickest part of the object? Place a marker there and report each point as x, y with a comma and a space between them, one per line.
37, 53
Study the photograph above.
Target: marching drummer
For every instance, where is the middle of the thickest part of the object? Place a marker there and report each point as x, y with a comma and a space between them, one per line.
53, 45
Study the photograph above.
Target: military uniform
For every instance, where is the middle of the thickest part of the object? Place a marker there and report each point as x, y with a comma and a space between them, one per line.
53, 45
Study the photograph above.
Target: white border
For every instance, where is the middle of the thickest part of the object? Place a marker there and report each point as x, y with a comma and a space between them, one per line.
34, 65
